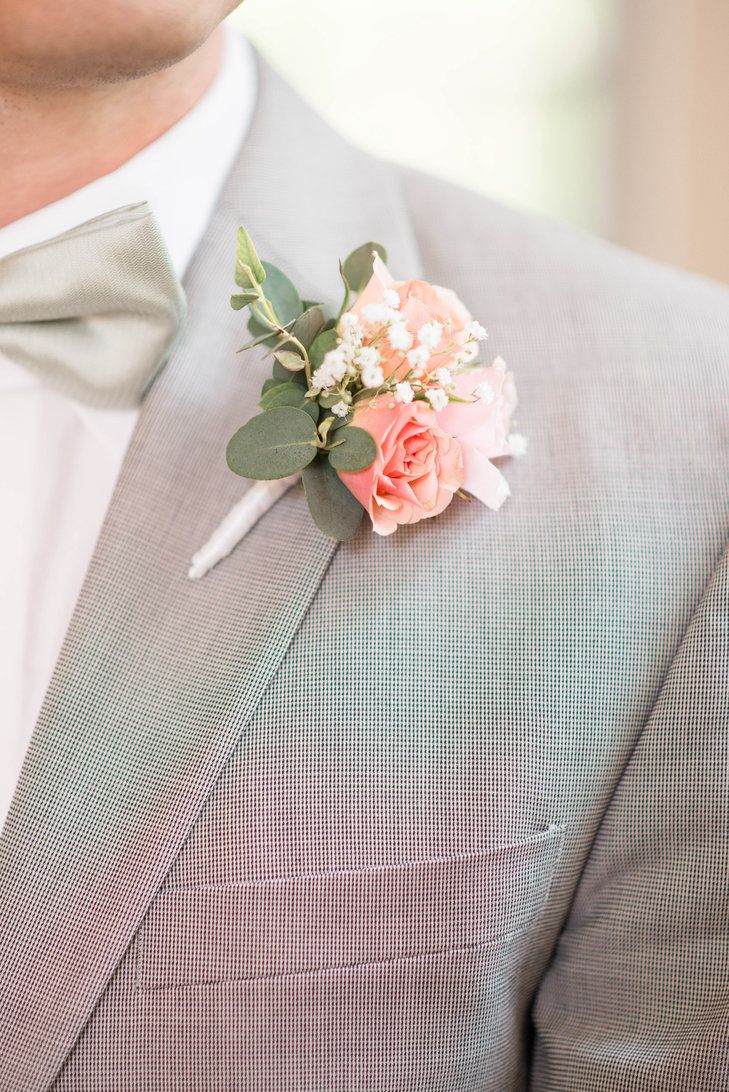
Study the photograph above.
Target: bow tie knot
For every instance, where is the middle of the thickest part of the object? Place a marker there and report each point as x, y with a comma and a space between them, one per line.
93, 312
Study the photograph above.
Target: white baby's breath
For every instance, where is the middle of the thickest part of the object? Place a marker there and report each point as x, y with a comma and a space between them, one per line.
485, 393
404, 393
336, 363
465, 355
437, 398
418, 358
400, 337
390, 298
373, 376
476, 332
377, 314
443, 376
368, 357
331, 371
348, 320
340, 409
430, 334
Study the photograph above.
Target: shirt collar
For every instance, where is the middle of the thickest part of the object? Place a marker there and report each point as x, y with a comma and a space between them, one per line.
180, 174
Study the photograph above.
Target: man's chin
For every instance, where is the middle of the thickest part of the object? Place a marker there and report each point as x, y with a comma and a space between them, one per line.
114, 54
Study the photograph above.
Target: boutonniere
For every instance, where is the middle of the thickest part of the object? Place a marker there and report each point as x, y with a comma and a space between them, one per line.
381, 409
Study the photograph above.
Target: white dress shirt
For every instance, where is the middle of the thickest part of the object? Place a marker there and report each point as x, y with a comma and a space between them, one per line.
60, 460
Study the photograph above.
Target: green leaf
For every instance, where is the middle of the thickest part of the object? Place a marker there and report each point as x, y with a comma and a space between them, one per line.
347, 289
308, 325
357, 268
324, 427
273, 444
283, 375
357, 451
334, 509
329, 400
288, 360
272, 382
262, 334
328, 339
247, 261
282, 295
289, 394
340, 422
242, 299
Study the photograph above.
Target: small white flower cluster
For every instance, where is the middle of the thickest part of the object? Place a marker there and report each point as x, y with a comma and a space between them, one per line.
388, 317
476, 332
437, 397
331, 371
417, 359
485, 393
350, 360
353, 361
370, 369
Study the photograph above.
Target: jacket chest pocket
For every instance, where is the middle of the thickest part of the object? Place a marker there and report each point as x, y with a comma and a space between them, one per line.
302, 924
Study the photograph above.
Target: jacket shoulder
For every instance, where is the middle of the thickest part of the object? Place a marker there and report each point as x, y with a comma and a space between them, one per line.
455, 226
613, 306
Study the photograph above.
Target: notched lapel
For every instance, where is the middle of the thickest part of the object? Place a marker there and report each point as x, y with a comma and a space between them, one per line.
157, 679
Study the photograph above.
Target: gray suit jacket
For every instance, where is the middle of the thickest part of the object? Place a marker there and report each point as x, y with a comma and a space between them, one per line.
443, 811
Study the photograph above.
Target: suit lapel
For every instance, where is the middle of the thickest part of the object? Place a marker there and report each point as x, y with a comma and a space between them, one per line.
159, 675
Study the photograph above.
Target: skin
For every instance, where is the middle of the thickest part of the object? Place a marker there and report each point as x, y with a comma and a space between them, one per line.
86, 85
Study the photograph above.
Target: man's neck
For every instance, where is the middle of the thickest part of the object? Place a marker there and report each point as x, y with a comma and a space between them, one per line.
60, 140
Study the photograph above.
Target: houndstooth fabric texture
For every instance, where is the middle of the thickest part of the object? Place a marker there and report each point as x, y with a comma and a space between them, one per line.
442, 812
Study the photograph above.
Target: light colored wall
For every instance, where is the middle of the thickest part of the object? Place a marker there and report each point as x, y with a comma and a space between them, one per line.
611, 114
509, 97
672, 152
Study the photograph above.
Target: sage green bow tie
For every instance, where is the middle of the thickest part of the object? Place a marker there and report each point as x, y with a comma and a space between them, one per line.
93, 312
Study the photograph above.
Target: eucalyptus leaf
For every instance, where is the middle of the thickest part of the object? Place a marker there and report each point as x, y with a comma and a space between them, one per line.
329, 400
246, 256
262, 333
270, 383
273, 445
324, 427
242, 299
347, 289
282, 295
308, 325
292, 362
357, 451
334, 509
283, 375
288, 394
339, 422
357, 268
321, 345
262, 339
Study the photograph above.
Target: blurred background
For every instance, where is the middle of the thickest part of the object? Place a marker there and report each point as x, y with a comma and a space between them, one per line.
610, 114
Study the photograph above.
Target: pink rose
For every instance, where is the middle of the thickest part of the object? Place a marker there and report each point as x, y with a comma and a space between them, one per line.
418, 466
420, 303
482, 427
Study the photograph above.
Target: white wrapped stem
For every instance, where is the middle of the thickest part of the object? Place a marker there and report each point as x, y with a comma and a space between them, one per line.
260, 497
